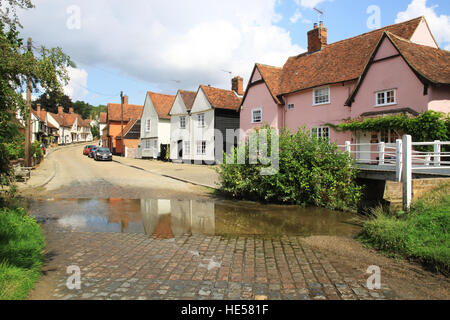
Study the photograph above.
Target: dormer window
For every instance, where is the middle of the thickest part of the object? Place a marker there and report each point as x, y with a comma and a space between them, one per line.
386, 97
321, 96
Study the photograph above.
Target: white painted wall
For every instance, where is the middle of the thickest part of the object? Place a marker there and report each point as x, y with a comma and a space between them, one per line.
202, 105
176, 133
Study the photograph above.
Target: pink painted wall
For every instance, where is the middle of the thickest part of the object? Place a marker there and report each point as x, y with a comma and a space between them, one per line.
423, 36
306, 115
259, 96
393, 73
440, 99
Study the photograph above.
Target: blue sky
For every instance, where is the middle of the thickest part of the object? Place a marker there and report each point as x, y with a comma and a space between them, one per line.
164, 46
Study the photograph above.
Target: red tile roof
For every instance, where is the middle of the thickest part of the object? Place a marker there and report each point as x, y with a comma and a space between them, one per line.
431, 63
130, 111
188, 98
271, 75
103, 119
337, 62
222, 99
162, 103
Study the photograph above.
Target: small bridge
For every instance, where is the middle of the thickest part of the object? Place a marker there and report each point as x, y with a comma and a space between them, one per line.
401, 161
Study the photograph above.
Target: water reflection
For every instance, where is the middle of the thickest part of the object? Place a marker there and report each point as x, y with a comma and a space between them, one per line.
165, 219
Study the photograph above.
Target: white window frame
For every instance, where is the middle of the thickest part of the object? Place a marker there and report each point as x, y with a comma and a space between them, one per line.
201, 120
183, 122
290, 106
321, 103
148, 144
186, 148
253, 115
318, 132
148, 125
384, 92
201, 148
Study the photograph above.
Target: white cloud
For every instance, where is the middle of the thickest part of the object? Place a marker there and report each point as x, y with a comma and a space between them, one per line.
298, 16
310, 3
439, 24
76, 88
158, 41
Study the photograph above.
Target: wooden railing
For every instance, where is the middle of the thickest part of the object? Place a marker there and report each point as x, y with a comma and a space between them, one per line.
403, 157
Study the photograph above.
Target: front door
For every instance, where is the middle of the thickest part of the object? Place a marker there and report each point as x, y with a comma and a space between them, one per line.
363, 154
180, 149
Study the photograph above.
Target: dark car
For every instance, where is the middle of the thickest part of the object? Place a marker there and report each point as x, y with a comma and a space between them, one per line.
103, 154
86, 150
92, 151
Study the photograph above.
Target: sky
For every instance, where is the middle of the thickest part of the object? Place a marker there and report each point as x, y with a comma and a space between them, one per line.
162, 46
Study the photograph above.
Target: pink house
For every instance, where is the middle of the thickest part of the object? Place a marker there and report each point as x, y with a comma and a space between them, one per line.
395, 69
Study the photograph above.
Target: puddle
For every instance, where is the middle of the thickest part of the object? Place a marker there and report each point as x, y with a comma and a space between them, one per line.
166, 219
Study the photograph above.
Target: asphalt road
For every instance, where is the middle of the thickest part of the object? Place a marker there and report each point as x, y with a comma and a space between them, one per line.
77, 176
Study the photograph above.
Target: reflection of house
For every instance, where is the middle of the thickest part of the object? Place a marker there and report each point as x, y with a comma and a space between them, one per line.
178, 217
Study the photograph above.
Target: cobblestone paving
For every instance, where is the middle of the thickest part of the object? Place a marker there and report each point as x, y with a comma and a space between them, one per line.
130, 266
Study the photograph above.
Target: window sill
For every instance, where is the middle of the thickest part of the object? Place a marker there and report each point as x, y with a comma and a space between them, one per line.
385, 105
321, 104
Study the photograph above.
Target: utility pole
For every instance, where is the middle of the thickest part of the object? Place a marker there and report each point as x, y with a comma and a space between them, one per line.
28, 129
121, 122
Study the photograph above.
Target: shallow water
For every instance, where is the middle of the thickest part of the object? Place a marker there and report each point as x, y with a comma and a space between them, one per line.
161, 218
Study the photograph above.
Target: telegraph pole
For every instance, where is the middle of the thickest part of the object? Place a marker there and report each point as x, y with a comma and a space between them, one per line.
28, 129
121, 122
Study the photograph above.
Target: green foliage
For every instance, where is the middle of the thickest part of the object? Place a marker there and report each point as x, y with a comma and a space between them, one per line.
21, 253
52, 100
95, 130
311, 172
47, 69
426, 127
36, 151
422, 234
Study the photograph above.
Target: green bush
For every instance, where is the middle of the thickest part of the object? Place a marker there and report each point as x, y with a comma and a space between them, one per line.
311, 172
21, 253
36, 150
422, 234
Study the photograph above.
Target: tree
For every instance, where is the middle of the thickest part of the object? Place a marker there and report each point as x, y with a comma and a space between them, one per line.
51, 101
47, 69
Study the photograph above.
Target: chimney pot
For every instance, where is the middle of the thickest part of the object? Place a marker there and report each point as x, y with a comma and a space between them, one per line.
60, 110
317, 38
70, 110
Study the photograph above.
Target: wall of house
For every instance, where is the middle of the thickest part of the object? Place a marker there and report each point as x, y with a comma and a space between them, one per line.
164, 131
226, 120
115, 128
306, 115
177, 134
203, 134
393, 73
259, 97
440, 99
423, 36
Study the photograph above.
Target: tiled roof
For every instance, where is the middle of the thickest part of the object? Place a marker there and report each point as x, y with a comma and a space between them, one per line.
63, 121
337, 62
222, 99
271, 76
162, 103
103, 119
431, 63
188, 98
127, 128
130, 111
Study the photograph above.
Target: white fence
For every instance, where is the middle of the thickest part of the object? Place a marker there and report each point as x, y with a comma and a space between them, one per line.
403, 158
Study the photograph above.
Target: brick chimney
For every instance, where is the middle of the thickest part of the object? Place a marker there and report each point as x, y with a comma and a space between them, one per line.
38, 108
70, 110
317, 38
237, 85
125, 100
60, 110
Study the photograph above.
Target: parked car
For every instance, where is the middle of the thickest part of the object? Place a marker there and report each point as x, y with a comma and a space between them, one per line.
92, 151
103, 154
86, 150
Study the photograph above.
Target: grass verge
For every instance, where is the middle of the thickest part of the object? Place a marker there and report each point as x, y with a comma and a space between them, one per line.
21, 253
422, 234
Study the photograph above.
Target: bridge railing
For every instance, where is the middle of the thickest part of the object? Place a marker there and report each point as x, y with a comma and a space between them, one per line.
404, 157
